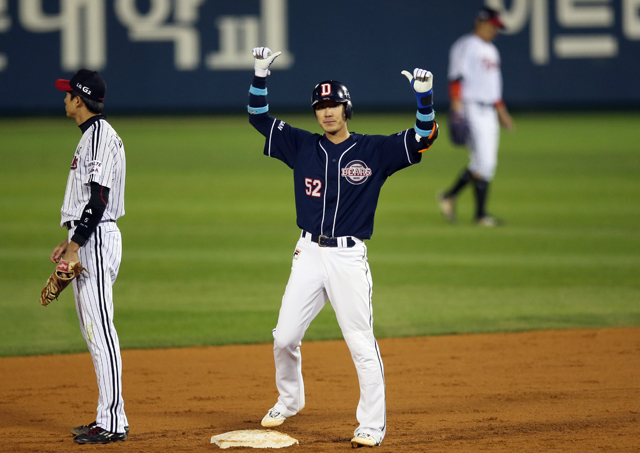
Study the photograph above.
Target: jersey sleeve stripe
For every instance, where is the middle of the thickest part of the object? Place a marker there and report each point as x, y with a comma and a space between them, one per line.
98, 139
95, 137
97, 144
271, 136
406, 147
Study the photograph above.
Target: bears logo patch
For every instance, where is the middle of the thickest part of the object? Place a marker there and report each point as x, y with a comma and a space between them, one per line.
356, 172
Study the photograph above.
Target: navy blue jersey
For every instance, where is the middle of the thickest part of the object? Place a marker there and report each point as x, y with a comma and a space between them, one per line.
336, 186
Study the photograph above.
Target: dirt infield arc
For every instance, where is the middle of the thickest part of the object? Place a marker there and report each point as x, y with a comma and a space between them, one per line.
564, 391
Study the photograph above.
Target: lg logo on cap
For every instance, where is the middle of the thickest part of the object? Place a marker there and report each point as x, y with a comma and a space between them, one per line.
84, 89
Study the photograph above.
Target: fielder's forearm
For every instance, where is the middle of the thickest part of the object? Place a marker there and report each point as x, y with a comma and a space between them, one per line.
91, 214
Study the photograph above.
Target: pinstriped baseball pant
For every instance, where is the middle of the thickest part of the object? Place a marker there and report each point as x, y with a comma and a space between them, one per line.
101, 256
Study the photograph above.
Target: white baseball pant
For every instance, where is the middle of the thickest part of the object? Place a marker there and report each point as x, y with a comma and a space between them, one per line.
341, 275
484, 138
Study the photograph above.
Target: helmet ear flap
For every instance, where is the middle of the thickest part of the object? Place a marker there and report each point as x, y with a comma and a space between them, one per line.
348, 110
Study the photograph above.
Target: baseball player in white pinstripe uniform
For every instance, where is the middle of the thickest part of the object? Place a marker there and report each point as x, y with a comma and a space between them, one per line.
475, 91
93, 201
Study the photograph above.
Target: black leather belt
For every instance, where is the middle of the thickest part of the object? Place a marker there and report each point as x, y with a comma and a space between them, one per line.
71, 223
325, 241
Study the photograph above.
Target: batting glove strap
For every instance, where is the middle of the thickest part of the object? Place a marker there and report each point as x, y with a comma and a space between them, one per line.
424, 99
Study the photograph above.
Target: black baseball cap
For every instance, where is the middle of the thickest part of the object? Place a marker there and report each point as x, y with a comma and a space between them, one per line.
492, 16
85, 83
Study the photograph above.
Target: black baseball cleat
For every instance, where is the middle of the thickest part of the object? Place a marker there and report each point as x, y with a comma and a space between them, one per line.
84, 429
98, 435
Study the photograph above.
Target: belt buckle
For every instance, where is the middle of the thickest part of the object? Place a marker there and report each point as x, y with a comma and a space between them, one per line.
320, 240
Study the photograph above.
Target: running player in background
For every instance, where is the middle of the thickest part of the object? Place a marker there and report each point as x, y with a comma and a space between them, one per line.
475, 92
337, 180
93, 201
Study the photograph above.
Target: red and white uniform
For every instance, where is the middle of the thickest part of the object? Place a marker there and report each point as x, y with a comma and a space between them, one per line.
476, 63
99, 158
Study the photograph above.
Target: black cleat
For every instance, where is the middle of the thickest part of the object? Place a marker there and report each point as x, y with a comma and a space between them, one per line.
98, 435
84, 429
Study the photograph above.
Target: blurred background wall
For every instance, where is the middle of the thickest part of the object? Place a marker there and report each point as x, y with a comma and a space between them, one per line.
181, 56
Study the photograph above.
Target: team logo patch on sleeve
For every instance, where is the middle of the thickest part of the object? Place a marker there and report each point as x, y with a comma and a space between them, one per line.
95, 167
356, 172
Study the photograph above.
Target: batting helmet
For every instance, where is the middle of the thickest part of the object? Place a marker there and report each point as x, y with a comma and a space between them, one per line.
332, 90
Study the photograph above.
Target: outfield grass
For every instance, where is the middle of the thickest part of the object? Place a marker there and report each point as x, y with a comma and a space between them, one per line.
210, 229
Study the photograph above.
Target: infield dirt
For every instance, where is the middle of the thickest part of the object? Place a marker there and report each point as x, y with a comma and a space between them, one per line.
568, 391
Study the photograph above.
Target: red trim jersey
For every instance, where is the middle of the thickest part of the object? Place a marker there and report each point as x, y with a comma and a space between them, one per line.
477, 64
99, 158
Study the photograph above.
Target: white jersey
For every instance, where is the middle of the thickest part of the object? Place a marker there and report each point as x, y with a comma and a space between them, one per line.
99, 158
477, 63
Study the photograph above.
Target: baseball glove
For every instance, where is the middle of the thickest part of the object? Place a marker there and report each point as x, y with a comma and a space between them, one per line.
64, 273
458, 129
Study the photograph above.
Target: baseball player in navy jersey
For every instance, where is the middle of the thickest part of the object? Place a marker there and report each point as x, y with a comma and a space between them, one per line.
475, 92
93, 201
337, 180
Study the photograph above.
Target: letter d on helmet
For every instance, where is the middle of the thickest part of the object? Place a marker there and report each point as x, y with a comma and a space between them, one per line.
332, 90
